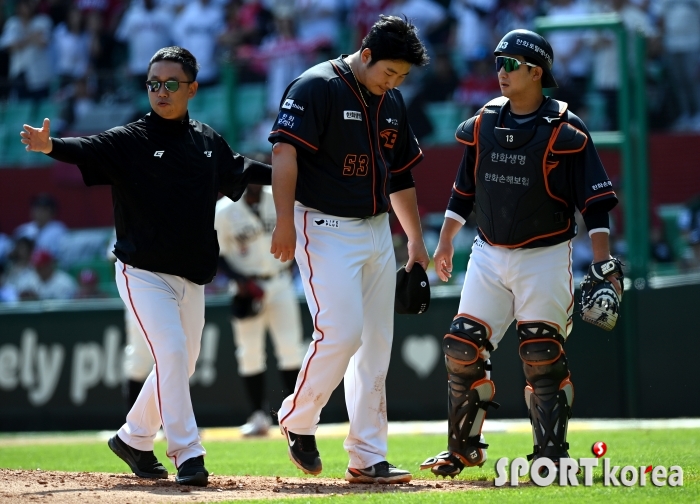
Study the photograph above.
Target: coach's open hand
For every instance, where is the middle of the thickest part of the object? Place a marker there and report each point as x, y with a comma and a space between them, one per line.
37, 139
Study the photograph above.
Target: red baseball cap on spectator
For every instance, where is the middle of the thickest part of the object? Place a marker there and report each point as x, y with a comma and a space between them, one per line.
87, 277
41, 258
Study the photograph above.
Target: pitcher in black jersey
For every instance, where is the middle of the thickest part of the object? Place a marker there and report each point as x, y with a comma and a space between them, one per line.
528, 165
342, 158
166, 171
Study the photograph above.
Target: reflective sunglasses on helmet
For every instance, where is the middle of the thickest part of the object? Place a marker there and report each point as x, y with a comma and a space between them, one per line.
170, 85
510, 64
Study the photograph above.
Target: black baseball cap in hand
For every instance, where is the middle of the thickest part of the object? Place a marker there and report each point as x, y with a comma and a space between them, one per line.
412, 291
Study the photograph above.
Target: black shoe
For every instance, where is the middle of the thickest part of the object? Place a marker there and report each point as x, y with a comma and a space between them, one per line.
382, 472
143, 463
192, 472
303, 452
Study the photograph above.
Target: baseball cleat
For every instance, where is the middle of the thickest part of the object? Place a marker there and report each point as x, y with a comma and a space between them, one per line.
303, 452
257, 425
382, 472
192, 472
144, 464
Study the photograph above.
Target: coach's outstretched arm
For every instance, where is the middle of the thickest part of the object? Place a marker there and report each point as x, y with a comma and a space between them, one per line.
284, 182
405, 206
37, 139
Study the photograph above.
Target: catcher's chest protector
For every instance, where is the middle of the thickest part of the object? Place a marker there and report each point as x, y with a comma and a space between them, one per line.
513, 203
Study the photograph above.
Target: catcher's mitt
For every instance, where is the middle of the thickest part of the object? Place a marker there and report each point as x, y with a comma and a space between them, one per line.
600, 303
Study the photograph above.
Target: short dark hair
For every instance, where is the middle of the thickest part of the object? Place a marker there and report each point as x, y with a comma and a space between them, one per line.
179, 55
393, 38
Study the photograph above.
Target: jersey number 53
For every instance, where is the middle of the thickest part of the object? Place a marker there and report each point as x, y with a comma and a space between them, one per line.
356, 165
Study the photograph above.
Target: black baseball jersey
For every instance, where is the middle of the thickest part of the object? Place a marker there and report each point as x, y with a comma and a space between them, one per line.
350, 157
561, 168
165, 177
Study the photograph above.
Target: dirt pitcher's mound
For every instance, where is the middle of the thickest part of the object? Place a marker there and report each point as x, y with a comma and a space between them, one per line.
87, 488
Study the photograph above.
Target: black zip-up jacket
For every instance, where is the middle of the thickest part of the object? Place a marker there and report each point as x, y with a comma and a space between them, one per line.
165, 177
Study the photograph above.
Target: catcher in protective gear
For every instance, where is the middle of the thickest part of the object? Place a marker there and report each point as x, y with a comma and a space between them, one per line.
600, 298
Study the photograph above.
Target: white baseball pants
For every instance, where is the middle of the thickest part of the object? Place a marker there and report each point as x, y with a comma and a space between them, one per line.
528, 285
348, 269
170, 313
138, 362
279, 313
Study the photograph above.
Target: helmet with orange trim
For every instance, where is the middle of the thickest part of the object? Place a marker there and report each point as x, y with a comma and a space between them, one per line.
534, 48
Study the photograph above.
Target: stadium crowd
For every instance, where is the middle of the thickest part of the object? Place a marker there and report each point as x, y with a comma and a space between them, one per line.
81, 54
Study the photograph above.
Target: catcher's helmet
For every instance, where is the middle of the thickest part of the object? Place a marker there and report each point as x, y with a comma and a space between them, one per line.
535, 49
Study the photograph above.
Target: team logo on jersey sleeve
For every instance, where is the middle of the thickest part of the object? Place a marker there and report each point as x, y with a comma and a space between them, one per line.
352, 115
296, 106
389, 136
288, 121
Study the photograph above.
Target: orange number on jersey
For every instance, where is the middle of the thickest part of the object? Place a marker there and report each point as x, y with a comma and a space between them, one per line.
349, 167
355, 165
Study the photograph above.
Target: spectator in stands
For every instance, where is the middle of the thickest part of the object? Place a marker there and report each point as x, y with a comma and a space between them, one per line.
109, 11
606, 74
479, 86
71, 48
144, 29
516, 14
27, 35
680, 31
89, 285
44, 230
363, 14
6, 246
197, 28
20, 273
573, 54
438, 86
473, 38
285, 56
47, 281
8, 294
247, 25
317, 22
102, 51
689, 224
429, 16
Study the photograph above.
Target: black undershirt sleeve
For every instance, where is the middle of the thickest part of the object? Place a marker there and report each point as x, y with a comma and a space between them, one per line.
597, 220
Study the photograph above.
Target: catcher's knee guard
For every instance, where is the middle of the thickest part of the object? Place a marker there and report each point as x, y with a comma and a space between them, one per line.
470, 393
549, 392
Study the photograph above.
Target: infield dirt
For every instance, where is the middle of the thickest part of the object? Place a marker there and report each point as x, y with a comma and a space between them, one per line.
65, 487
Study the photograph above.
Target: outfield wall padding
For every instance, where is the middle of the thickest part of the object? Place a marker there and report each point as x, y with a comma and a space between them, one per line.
60, 365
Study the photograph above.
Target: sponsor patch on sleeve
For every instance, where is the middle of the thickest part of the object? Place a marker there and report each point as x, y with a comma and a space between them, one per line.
296, 106
288, 121
601, 185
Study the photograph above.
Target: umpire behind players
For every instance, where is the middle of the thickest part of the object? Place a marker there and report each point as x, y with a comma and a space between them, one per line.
165, 171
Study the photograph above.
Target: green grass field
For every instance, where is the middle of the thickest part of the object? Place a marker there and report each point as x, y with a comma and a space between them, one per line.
268, 457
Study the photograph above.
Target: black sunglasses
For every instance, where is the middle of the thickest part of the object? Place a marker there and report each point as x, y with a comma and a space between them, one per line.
170, 85
510, 64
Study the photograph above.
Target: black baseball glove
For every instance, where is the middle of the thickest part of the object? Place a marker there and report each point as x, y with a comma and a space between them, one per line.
248, 300
600, 303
